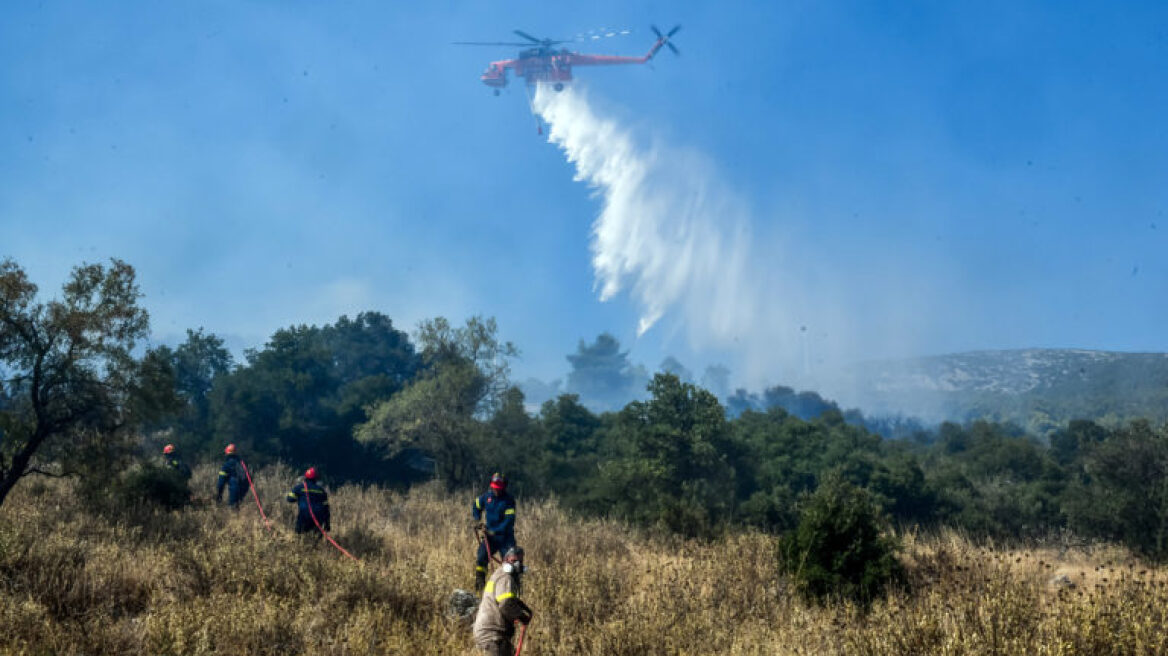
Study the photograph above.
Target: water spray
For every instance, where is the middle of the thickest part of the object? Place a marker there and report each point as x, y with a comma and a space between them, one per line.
668, 232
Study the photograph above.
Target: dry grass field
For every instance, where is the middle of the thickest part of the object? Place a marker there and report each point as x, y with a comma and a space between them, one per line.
211, 581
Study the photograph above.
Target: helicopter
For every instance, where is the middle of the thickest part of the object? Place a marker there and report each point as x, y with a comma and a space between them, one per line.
542, 62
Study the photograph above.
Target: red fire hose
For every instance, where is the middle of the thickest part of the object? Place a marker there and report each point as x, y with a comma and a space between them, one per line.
522, 632
308, 502
251, 486
482, 536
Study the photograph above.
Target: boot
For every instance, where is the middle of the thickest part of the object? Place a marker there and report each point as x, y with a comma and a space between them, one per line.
480, 582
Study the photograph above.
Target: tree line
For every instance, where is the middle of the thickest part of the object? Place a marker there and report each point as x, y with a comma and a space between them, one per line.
364, 401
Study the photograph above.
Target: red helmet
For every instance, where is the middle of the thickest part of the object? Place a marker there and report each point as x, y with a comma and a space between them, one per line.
168, 449
310, 475
230, 449
498, 482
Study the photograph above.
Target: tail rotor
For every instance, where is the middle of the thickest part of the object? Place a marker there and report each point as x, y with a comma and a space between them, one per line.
664, 38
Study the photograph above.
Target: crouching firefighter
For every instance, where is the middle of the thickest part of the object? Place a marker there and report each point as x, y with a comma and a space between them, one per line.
312, 501
501, 607
232, 477
495, 511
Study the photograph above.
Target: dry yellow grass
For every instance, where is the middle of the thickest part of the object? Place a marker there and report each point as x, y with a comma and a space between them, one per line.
210, 581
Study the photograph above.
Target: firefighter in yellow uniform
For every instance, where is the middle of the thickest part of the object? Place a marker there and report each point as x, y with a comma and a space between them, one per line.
501, 607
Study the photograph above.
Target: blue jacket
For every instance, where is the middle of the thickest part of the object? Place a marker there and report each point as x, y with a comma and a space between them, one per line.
315, 496
172, 461
231, 476
497, 511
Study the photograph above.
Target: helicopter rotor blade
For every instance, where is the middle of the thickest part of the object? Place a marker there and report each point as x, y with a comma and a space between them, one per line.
489, 43
674, 30
596, 35
528, 36
673, 48
657, 32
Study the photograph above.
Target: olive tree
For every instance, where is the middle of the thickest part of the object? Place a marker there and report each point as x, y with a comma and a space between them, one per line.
71, 384
463, 380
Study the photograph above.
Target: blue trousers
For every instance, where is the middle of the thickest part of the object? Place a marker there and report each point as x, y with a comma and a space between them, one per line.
236, 491
499, 545
304, 523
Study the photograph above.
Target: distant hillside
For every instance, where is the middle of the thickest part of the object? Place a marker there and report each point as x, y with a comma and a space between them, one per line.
1040, 389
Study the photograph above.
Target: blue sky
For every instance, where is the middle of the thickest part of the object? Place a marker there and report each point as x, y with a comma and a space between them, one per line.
935, 176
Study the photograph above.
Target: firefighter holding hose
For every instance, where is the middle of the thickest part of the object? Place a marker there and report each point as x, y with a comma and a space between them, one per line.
494, 514
231, 477
312, 501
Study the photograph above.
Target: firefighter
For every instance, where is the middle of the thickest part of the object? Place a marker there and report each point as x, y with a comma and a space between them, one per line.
493, 512
174, 463
232, 477
312, 501
501, 607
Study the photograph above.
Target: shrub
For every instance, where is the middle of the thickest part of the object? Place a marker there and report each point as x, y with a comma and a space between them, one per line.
839, 547
150, 484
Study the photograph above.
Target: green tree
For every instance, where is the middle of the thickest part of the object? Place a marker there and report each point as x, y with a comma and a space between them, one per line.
1068, 444
804, 405
993, 479
197, 363
300, 397
1122, 493
671, 463
73, 388
571, 452
516, 445
898, 482
782, 457
477, 345
463, 381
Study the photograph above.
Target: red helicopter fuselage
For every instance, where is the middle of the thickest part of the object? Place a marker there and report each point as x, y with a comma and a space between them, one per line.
553, 66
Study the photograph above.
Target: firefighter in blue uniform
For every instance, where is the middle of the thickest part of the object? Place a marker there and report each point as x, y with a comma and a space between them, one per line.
231, 476
496, 512
311, 500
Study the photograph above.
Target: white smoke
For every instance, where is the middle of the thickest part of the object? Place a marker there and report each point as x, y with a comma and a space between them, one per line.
668, 231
